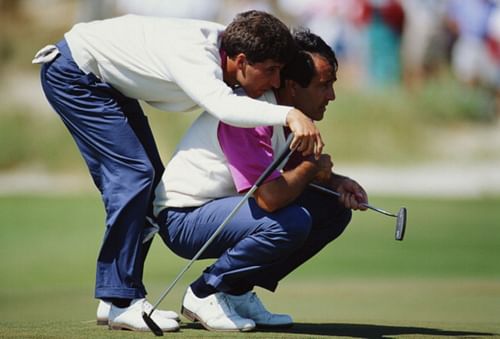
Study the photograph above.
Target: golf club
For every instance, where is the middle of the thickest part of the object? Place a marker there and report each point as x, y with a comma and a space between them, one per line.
400, 216
279, 161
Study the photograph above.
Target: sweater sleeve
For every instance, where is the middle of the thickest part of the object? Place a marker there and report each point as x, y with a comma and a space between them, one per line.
199, 75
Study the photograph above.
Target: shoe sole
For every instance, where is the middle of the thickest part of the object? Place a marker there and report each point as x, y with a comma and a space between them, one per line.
194, 318
103, 322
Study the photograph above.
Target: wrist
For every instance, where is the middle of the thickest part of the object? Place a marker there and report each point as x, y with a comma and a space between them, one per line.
310, 167
291, 116
337, 180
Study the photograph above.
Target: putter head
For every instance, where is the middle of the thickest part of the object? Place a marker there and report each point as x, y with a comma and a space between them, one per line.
401, 224
152, 325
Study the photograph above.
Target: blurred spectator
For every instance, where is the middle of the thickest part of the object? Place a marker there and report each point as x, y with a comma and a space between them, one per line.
474, 55
365, 34
384, 31
468, 21
424, 44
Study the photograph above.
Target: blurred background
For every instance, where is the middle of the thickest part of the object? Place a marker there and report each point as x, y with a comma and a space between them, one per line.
416, 121
417, 104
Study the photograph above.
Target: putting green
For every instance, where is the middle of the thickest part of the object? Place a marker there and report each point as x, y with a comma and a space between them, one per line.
443, 280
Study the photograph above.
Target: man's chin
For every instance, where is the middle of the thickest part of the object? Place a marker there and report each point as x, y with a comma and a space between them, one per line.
319, 116
257, 94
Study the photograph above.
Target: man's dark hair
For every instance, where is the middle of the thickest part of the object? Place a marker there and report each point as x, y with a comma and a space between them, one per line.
260, 36
301, 69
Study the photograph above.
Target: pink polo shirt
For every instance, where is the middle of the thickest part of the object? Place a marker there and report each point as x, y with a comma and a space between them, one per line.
248, 152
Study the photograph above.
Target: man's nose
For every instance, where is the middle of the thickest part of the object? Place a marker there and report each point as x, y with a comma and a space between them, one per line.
331, 94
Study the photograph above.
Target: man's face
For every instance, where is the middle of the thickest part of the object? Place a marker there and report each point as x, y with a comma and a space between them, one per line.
314, 99
259, 77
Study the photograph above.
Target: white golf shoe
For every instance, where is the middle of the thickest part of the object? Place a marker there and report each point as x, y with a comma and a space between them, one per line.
214, 313
130, 318
248, 305
104, 307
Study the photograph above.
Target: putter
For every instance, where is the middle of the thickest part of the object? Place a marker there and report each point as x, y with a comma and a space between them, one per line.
278, 162
400, 216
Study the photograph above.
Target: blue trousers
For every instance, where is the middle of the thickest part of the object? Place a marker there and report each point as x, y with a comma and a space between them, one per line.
255, 248
116, 142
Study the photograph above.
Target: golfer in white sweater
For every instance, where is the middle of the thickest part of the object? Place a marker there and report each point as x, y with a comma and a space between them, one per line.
94, 78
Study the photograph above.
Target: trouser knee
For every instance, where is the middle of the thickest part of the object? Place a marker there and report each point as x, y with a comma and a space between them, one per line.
296, 227
140, 176
340, 220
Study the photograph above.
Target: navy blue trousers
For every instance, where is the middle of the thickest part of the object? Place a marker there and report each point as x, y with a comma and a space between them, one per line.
255, 248
115, 140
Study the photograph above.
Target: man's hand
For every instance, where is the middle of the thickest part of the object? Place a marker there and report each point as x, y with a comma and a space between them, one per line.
352, 196
307, 138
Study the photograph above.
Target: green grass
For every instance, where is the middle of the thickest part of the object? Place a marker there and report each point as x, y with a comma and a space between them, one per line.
442, 280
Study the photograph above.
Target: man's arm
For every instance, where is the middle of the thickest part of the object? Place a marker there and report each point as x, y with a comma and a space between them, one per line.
201, 79
283, 190
300, 171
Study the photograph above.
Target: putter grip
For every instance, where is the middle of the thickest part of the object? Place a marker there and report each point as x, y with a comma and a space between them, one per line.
276, 162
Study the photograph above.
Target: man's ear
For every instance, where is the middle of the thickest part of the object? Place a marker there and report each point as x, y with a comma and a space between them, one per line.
240, 61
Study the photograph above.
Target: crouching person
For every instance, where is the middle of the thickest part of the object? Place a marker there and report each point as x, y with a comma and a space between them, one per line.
278, 229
